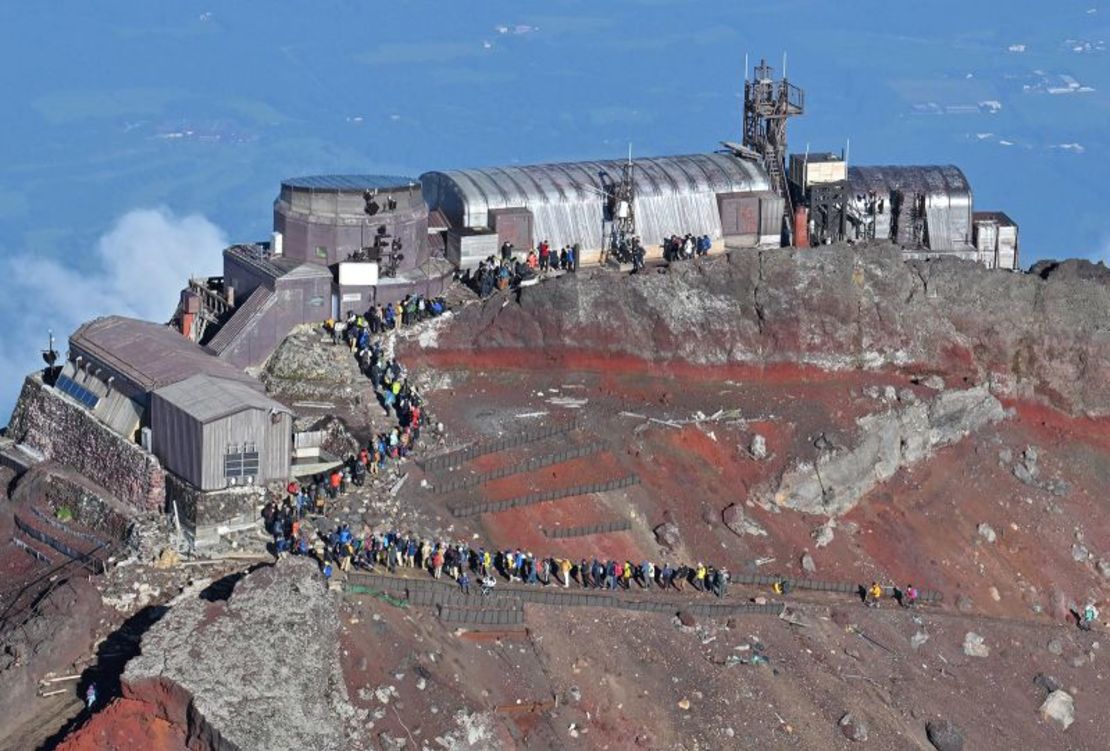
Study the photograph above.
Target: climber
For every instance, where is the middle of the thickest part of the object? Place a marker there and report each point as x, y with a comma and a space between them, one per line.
874, 592
1088, 616
90, 696
909, 596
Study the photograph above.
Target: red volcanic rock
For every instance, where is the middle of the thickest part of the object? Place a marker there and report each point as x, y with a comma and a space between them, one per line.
838, 308
129, 724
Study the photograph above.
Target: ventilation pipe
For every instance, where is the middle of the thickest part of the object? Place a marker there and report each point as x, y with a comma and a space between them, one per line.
275, 244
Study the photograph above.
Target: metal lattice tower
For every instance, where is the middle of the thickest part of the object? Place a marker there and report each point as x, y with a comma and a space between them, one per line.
768, 104
624, 201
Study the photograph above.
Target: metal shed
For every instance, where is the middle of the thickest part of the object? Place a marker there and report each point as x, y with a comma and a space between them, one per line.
674, 195
942, 192
213, 433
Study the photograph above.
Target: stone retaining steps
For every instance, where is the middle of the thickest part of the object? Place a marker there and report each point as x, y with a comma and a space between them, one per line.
41, 552
66, 545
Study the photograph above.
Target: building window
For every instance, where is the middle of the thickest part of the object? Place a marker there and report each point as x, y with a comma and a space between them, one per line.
321, 251
241, 461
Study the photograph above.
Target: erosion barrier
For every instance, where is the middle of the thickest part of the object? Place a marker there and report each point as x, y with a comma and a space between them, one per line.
536, 462
483, 617
557, 533
446, 594
490, 507
458, 457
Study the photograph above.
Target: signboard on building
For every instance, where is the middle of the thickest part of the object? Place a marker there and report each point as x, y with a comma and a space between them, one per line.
358, 274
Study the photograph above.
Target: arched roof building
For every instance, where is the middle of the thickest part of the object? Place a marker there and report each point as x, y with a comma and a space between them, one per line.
567, 200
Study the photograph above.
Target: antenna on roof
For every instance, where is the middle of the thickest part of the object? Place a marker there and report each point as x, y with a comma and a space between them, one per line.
847, 150
784, 65
745, 67
630, 152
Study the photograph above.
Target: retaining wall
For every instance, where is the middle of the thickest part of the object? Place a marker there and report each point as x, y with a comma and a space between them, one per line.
68, 434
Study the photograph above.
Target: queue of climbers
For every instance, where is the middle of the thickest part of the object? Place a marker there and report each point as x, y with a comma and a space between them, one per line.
511, 269
677, 248
355, 330
465, 565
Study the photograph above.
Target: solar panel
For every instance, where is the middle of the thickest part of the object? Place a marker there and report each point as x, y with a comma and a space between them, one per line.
76, 391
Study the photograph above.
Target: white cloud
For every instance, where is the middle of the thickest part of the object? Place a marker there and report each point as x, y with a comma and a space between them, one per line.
139, 266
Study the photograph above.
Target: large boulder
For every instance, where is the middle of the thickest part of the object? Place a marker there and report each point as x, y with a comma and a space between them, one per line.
1060, 708
944, 735
258, 670
740, 523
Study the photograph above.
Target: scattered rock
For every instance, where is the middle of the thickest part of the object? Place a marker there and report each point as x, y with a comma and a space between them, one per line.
1005, 456
974, 645
1047, 682
686, 619
987, 532
1079, 553
918, 639
168, 558
964, 604
740, 523
1026, 470
1103, 567
994, 594
807, 564
944, 735
853, 728
1060, 707
1055, 646
684, 704
758, 447
823, 535
667, 534
934, 382
574, 695
906, 395
822, 443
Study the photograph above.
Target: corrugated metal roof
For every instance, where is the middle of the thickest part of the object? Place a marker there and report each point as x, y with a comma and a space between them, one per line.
918, 178
225, 337
151, 355
348, 182
674, 194
208, 398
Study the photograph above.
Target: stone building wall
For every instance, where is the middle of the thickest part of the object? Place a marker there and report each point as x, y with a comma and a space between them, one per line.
205, 516
68, 434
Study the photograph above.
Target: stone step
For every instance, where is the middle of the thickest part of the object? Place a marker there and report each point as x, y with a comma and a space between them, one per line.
40, 551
